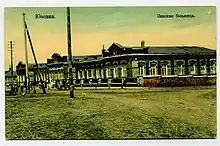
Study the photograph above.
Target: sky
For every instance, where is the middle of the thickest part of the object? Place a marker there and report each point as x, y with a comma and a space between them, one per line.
93, 27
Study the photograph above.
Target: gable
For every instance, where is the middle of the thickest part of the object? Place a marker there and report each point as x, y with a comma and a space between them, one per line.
116, 49
20, 65
56, 57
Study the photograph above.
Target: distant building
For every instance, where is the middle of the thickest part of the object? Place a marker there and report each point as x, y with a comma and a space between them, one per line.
10, 76
119, 61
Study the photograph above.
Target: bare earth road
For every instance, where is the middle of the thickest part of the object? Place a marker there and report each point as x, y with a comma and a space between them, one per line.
131, 113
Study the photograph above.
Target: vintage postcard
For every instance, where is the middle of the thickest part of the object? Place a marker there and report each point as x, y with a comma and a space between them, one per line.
110, 73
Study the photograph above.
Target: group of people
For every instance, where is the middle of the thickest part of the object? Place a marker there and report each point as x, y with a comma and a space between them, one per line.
64, 84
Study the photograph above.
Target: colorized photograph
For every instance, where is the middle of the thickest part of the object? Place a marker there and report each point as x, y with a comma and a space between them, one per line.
110, 73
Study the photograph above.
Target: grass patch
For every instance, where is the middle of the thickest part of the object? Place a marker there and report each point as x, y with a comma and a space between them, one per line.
140, 113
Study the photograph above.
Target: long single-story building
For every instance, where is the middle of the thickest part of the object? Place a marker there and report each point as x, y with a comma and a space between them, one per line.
132, 63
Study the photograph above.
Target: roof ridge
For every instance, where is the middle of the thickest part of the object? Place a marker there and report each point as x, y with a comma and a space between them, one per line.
119, 45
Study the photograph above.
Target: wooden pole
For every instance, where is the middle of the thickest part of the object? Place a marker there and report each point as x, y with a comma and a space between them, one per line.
26, 59
35, 59
11, 69
11, 50
70, 61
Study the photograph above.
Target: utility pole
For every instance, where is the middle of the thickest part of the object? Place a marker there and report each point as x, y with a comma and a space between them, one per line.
11, 51
26, 58
11, 68
70, 61
35, 59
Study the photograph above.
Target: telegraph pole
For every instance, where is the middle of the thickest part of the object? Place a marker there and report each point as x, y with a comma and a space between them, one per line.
11, 50
70, 61
11, 69
35, 59
26, 58
27, 35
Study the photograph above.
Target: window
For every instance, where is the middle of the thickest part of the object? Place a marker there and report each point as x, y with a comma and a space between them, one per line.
104, 73
153, 70
180, 69
85, 74
213, 68
94, 73
164, 70
192, 67
100, 73
112, 72
203, 69
203, 66
80, 74
124, 71
89, 73
119, 72
141, 70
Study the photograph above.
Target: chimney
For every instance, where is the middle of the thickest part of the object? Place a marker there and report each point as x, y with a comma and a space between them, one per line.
142, 44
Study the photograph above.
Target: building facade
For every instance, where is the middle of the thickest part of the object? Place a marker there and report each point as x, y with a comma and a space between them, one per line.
119, 62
